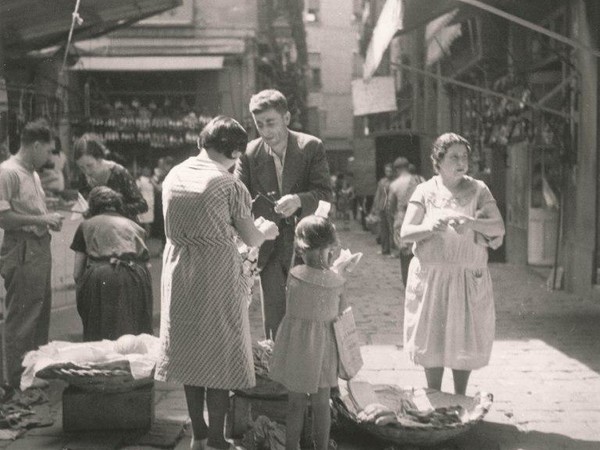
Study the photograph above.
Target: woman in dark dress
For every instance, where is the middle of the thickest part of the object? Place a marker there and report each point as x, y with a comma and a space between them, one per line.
90, 156
114, 290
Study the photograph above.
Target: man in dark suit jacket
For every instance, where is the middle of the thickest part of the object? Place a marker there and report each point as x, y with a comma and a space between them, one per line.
287, 174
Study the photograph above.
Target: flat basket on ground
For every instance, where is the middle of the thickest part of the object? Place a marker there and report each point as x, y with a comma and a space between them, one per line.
407, 432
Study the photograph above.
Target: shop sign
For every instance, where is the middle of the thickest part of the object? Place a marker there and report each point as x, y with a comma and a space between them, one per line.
374, 96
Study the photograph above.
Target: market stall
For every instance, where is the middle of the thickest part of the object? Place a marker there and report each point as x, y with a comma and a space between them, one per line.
144, 117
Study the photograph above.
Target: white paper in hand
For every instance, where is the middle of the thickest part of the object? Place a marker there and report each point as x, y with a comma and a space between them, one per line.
323, 209
346, 262
80, 207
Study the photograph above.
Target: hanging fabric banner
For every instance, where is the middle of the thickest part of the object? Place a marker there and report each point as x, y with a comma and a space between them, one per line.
439, 35
389, 22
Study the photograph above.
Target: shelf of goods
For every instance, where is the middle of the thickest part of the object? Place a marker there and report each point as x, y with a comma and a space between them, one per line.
155, 132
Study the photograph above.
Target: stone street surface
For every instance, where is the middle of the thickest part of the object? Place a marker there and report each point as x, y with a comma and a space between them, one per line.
544, 371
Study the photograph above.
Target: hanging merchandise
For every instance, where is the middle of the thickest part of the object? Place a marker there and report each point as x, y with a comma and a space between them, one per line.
550, 197
146, 124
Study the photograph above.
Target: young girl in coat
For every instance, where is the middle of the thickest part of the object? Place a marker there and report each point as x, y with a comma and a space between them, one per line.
305, 357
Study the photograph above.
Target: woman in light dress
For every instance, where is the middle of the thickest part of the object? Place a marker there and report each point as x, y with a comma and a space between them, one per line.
449, 318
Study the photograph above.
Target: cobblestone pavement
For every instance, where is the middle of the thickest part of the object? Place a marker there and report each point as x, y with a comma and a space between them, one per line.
544, 372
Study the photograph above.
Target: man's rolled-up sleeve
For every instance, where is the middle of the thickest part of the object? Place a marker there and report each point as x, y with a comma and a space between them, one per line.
9, 187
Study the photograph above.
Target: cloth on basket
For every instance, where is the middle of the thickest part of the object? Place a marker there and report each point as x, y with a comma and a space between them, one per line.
140, 352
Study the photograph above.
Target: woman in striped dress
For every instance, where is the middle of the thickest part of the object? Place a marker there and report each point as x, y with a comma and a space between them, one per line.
205, 330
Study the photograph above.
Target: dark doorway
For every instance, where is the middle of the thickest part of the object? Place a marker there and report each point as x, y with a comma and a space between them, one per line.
388, 148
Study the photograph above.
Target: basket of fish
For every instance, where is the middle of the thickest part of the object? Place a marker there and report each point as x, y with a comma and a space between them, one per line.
408, 416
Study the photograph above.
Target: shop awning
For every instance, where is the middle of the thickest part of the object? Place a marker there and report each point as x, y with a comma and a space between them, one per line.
148, 63
33, 24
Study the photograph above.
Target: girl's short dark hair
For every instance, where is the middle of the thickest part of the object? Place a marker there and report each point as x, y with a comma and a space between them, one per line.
441, 145
314, 232
103, 199
225, 135
91, 145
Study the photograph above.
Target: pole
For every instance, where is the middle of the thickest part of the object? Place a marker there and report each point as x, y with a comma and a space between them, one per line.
75, 18
484, 91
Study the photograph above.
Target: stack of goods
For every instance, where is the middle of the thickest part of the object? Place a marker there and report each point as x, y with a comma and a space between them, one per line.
21, 410
258, 414
158, 127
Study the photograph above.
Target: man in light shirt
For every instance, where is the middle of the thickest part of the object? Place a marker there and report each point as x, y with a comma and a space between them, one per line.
287, 174
25, 260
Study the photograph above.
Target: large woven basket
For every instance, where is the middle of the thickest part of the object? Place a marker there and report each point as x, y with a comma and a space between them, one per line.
408, 432
113, 376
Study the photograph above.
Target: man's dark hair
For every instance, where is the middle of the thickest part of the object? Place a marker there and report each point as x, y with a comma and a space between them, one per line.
36, 131
225, 135
268, 99
401, 163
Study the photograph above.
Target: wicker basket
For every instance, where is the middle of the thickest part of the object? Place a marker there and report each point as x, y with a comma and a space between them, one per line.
408, 431
113, 376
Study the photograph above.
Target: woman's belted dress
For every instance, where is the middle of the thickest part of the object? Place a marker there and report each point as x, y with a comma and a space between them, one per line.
205, 329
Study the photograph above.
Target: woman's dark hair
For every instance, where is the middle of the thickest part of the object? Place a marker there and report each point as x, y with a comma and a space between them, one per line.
225, 135
441, 145
91, 145
103, 199
314, 232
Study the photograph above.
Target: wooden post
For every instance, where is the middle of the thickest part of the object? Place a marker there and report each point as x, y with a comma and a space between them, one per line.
580, 260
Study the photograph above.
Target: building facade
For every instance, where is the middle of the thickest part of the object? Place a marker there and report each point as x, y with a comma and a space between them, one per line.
149, 89
331, 36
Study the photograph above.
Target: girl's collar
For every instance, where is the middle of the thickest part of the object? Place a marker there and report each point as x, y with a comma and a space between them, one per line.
319, 277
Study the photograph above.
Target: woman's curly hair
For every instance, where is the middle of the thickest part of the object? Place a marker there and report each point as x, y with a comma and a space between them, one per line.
103, 199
